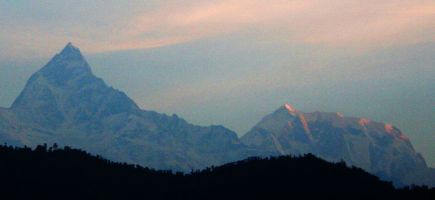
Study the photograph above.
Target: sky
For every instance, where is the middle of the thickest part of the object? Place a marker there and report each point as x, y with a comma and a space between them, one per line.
231, 62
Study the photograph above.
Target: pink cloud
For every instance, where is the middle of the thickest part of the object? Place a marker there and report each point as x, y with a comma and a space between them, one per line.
330, 23
200, 20
320, 22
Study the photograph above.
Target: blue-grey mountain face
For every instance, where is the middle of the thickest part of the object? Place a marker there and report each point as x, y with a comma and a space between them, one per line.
379, 148
65, 103
66, 92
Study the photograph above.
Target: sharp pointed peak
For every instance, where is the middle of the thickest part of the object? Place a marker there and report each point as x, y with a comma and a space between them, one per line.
69, 53
70, 48
291, 109
67, 63
70, 45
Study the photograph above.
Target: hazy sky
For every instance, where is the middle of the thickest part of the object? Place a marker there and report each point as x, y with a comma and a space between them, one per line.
231, 62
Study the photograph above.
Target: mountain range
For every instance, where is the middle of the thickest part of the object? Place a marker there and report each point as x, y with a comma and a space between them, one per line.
65, 103
379, 148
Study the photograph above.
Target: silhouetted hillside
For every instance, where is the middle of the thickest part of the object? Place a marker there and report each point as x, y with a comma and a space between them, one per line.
52, 173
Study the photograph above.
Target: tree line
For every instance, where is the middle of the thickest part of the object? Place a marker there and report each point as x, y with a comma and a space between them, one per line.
66, 173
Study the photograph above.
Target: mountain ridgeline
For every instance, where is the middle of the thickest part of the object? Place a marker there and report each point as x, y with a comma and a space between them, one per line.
65, 103
379, 148
66, 173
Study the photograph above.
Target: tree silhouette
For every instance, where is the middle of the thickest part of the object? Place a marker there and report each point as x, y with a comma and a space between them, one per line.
67, 173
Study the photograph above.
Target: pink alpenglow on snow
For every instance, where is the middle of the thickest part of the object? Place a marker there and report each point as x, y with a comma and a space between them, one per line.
292, 110
389, 128
363, 122
305, 125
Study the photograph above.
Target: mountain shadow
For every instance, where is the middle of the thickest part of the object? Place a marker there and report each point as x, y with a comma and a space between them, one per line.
66, 173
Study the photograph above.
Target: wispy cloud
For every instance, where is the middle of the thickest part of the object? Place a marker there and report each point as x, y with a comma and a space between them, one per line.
331, 23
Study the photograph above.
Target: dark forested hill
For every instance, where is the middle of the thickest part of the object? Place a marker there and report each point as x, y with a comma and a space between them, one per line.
53, 173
